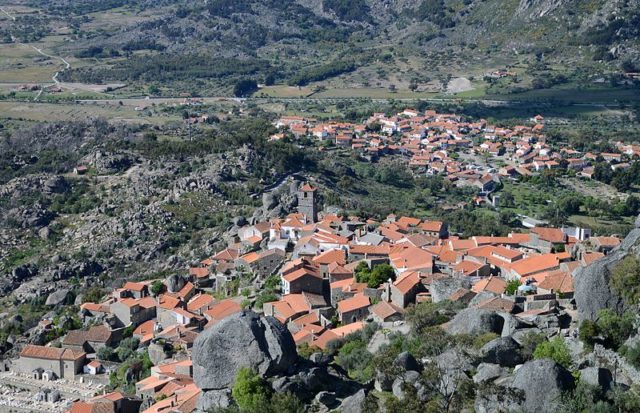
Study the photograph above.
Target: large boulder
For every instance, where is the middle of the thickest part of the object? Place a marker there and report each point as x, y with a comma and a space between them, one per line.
443, 288
354, 403
475, 321
241, 340
592, 290
504, 351
57, 297
543, 382
597, 376
487, 372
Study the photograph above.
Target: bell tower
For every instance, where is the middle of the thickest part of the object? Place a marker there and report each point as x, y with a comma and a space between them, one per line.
307, 203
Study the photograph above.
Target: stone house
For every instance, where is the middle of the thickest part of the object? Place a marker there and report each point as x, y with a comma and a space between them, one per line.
91, 340
49, 363
353, 309
402, 291
130, 311
263, 263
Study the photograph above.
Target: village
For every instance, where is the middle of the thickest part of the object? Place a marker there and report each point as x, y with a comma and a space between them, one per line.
322, 275
466, 154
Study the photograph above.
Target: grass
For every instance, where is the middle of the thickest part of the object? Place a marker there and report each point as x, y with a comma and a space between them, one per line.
373, 93
41, 112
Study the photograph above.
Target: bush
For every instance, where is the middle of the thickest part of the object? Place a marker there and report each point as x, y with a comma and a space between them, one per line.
378, 275
250, 391
555, 350
615, 329
245, 87
157, 287
632, 354
588, 332
512, 287
625, 279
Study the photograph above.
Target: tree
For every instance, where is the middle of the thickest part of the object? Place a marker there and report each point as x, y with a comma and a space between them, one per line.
555, 350
250, 391
105, 353
625, 279
615, 329
157, 287
244, 87
512, 287
588, 332
380, 274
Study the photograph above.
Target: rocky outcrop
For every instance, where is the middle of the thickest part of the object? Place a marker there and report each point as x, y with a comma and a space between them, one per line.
57, 297
592, 290
241, 340
443, 288
503, 351
475, 321
542, 382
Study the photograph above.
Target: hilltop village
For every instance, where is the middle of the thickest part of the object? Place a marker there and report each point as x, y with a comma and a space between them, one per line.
466, 154
324, 276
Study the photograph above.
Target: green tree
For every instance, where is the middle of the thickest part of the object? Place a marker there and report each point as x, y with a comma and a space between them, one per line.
554, 349
625, 279
157, 287
588, 332
512, 287
380, 274
615, 329
250, 391
244, 87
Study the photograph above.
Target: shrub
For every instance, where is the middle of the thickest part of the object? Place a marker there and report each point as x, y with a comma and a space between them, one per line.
614, 328
556, 350
632, 354
625, 279
250, 391
512, 287
588, 332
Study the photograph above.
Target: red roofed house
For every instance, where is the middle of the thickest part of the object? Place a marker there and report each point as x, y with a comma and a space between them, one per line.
353, 309
49, 363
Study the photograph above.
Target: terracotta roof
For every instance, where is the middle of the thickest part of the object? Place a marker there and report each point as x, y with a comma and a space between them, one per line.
606, 241
536, 263
384, 309
50, 353
331, 256
431, 226
407, 281
369, 249
99, 406
356, 302
560, 282
591, 257
199, 301
300, 273
307, 188
497, 304
222, 309
199, 272
96, 334
134, 286
492, 284
554, 235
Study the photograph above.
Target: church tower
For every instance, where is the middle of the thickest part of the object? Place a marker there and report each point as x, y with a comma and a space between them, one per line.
307, 203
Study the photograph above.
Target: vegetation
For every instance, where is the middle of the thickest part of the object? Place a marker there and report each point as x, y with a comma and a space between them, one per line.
554, 349
376, 276
625, 279
610, 329
253, 394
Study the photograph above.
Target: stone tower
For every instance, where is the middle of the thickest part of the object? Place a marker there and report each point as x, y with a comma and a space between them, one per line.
307, 203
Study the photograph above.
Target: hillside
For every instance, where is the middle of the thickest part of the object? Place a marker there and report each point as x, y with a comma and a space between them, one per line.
205, 48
